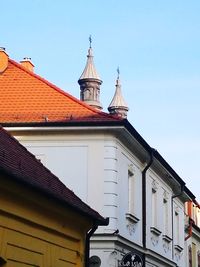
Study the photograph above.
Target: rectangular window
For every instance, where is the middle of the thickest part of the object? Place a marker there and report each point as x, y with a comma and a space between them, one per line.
165, 216
194, 255
154, 202
190, 256
177, 227
130, 192
130, 215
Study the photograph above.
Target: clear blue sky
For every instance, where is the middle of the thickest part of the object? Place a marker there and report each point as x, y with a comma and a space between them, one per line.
155, 43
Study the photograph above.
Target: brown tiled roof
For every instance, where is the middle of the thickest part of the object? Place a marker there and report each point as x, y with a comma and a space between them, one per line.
21, 165
27, 98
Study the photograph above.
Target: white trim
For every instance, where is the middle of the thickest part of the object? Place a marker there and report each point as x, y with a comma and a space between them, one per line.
58, 128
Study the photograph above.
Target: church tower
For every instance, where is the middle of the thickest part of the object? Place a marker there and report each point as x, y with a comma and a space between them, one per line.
90, 82
118, 105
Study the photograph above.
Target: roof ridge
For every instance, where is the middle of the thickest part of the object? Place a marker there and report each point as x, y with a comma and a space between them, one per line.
18, 65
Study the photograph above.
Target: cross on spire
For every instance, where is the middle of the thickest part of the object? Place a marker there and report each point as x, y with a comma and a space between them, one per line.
118, 72
90, 40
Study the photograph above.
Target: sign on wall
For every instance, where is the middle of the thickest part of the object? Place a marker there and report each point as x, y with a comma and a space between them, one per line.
132, 259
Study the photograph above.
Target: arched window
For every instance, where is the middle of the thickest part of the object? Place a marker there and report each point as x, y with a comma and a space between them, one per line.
94, 261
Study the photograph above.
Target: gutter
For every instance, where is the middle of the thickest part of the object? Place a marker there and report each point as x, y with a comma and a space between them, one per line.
96, 224
144, 208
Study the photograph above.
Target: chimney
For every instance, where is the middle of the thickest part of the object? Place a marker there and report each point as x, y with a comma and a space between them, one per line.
26, 63
3, 60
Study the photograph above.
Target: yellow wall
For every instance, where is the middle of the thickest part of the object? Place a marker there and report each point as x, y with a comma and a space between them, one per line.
37, 231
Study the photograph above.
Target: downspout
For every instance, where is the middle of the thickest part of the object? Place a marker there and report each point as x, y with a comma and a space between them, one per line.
189, 229
87, 243
172, 211
144, 208
88, 236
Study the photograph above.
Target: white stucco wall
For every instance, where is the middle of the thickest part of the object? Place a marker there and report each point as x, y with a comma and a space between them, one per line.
97, 168
79, 163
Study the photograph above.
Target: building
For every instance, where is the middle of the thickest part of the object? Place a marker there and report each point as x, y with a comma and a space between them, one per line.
192, 238
42, 222
111, 166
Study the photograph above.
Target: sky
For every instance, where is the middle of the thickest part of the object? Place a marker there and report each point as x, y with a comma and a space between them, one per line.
155, 43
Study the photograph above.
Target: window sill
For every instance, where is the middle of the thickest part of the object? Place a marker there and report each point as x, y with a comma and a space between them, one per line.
178, 248
155, 231
132, 218
167, 238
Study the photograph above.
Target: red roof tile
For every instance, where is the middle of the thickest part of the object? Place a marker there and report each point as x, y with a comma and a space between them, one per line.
21, 165
26, 98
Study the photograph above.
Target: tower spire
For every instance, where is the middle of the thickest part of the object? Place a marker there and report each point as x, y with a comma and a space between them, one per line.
118, 105
90, 81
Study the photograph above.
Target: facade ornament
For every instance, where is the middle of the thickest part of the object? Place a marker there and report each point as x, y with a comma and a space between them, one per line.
154, 240
131, 169
113, 259
166, 246
165, 196
131, 227
177, 255
90, 82
176, 210
154, 186
118, 105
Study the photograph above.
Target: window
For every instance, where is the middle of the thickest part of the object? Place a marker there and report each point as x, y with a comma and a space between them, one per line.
154, 203
194, 254
165, 213
176, 226
190, 256
130, 191
130, 215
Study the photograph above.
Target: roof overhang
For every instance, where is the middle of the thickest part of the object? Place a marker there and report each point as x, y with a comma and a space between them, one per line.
122, 130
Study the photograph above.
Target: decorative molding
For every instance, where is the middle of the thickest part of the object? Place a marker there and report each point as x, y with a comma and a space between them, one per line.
132, 218
178, 253
155, 231
131, 169
167, 238
154, 186
177, 210
166, 246
178, 248
166, 243
165, 196
154, 240
131, 227
131, 224
113, 258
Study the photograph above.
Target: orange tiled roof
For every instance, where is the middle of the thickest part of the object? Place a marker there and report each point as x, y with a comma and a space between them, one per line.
27, 98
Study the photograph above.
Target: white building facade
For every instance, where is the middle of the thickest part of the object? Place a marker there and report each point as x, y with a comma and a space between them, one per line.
105, 161
192, 234
105, 167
